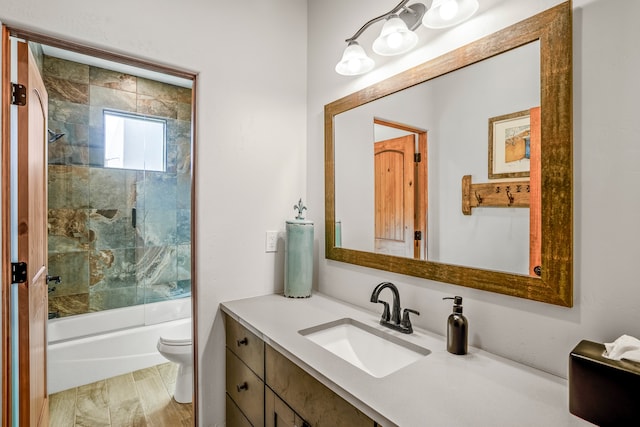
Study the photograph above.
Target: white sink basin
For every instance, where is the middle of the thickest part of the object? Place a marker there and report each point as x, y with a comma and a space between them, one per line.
374, 351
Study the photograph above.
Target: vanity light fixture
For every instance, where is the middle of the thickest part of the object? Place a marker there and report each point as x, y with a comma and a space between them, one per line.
397, 35
447, 13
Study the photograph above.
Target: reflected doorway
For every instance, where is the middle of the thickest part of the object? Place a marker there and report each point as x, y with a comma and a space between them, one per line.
401, 192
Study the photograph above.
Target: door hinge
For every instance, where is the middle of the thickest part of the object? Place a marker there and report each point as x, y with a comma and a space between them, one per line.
417, 235
417, 157
18, 272
18, 94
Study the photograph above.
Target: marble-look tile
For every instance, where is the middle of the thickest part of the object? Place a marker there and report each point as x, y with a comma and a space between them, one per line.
68, 230
156, 107
178, 131
68, 112
92, 409
107, 188
183, 157
171, 162
184, 111
65, 90
69, 70
68, 187
112, 269
112, 79
112, 228
74, 133
164, 91
112, 98
184, 262
73, 268
116, 298
183, 226
184, 288
96, 118
156, 264
160, 190
38, 55
183, 191
159, 227
68, 305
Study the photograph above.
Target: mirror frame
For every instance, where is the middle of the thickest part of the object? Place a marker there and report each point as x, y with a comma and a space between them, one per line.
553, 29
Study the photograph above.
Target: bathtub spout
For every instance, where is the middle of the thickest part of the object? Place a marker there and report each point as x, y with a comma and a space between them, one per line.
54, 314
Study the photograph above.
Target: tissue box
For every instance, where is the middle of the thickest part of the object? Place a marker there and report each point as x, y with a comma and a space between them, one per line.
603, 391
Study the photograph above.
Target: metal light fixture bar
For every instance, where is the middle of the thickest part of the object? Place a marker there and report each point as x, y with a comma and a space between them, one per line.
397, 35
411, 15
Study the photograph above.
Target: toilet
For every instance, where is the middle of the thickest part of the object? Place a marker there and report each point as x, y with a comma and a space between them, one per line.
176, 345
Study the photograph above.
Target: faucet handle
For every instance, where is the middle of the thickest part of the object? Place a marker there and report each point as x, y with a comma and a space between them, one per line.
386, 315
406, 322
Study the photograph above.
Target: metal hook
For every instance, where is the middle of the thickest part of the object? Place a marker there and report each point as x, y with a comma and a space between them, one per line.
478, 198
510, 196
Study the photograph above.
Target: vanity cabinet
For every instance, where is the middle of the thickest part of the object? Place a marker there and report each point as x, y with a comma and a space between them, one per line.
278, 413
264, 388
244, 376
307, 396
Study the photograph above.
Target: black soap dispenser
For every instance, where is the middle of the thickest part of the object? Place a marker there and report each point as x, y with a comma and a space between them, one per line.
457, 328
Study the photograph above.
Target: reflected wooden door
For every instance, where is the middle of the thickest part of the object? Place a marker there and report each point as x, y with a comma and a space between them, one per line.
394, 196
32, 242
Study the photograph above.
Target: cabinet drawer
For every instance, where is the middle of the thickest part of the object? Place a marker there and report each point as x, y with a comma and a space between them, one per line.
314, 401
245, 389
244, 344
235, 418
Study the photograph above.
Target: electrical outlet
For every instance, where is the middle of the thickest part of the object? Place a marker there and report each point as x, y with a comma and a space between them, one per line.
271, 242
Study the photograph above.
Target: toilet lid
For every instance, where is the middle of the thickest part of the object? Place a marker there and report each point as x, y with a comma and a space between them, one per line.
175, 341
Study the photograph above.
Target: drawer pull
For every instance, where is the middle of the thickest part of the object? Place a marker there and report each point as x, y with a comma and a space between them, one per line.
243, 386
243, 341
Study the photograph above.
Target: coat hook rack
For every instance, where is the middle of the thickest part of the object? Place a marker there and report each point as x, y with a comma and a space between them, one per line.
511, 194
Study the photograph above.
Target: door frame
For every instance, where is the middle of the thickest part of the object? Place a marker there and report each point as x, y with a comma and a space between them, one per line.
421, 202
5, 136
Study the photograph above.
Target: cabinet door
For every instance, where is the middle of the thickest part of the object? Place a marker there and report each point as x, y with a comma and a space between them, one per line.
235, 417
279, 414
319, 405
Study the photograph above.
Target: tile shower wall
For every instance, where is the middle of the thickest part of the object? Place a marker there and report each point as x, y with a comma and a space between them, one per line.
104, 261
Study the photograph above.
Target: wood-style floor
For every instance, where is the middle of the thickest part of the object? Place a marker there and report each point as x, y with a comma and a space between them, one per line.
137, 399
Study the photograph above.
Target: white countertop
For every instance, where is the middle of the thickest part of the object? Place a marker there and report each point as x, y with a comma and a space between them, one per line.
441, 389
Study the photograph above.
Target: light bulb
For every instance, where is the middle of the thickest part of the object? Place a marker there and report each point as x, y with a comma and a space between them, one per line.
354, 61
447, 13
353, 65
449, 9
394, 40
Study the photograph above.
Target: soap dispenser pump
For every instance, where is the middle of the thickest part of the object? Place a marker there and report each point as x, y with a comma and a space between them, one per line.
456, 328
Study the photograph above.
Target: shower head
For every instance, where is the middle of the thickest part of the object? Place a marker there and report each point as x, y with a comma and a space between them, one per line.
53, 137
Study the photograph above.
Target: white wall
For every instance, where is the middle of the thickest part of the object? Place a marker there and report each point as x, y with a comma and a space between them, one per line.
606, 170
251, 130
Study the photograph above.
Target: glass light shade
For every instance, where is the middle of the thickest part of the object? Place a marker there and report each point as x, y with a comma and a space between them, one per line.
447, 13
354, 61
395, 38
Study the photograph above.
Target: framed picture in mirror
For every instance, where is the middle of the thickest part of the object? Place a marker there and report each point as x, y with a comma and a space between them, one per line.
509, 145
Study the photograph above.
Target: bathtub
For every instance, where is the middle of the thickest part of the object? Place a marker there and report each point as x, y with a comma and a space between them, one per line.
90, 347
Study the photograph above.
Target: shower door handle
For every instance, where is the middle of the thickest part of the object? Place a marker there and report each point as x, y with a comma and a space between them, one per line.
133, 217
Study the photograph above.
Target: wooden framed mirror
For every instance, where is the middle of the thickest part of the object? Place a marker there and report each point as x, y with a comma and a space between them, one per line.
548, 211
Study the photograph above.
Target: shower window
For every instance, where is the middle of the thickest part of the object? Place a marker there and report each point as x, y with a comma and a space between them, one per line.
133, 141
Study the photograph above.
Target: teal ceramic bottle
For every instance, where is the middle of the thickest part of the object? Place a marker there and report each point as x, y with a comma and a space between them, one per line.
298, 259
